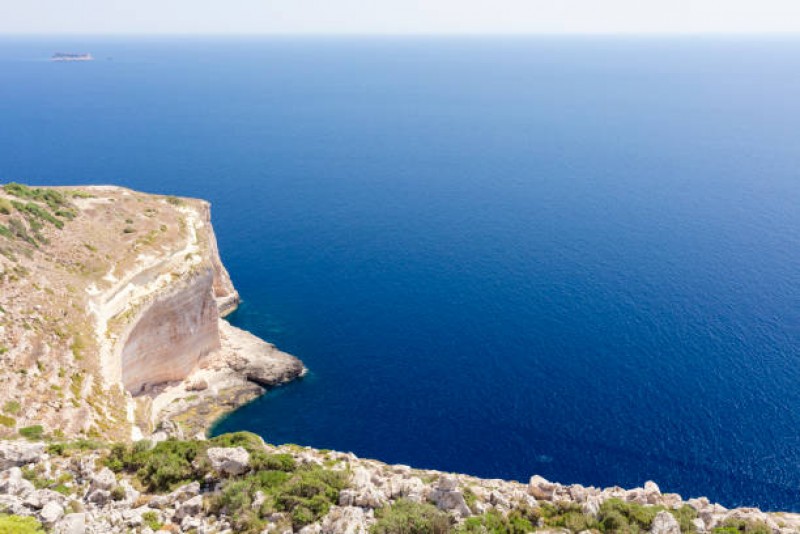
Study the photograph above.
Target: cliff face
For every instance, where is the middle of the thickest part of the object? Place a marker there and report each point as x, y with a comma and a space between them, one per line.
171, 336
110, 312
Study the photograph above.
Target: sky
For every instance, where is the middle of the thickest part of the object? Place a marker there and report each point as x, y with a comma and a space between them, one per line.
397, 16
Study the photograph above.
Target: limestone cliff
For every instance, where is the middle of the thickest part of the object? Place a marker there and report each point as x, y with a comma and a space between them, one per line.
110, 313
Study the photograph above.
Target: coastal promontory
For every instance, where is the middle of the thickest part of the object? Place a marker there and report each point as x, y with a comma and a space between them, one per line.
111, 308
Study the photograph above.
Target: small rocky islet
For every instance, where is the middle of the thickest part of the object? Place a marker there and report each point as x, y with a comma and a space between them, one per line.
116, 360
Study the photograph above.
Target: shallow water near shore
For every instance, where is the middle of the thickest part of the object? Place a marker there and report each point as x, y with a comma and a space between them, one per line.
577, 257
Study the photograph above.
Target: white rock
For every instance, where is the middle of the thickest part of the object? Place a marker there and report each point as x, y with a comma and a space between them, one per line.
541, 488
103, 480
71, 524
665, 523
19, 453
185, 492
699, 525
191, 507
447, 483
345, 520
51, 513
652, 493
12, 483
229, 460
12, 505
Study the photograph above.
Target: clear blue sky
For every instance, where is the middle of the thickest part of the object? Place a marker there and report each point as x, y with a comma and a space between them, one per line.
397, 16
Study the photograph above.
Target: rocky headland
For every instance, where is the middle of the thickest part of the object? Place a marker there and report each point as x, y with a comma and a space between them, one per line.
111, 309
116, 359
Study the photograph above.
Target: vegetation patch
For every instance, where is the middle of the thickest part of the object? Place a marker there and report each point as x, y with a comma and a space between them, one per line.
171, 463
408, 517
8, 421
736, 526
496, 523
14, 524
32, 433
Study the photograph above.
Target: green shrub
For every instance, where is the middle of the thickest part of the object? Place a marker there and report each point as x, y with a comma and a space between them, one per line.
171, 463
736, 526
150, 519
54, 199
567, 515
5, 206
18, 230
64, 448
408, 517
14, 524
13, 407
32, 433
305, 494
496, 523
7, 421
37, 212
118, 493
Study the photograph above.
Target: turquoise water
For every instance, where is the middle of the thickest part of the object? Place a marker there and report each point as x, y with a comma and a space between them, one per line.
573, 257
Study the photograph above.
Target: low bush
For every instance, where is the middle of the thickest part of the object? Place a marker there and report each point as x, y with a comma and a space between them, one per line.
737, 526
32, 433
305, 494
171, 463
150, 519
408, 517
567, 515
496, 523
629, 517
14, 524
13, 407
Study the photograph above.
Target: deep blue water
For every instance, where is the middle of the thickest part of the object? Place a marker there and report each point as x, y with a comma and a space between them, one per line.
578, 257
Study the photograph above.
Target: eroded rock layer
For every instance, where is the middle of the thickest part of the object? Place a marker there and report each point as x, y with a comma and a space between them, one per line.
172, 336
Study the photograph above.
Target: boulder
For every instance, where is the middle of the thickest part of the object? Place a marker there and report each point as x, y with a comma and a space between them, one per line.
19, 453
345, 520
12, 505
229, 460
447, 483
39, 498
448, 498
51, 513
541, 488
105, 479
12, 483
652, 493
98, 496
665, 523
71, 524
185, 492
190, 508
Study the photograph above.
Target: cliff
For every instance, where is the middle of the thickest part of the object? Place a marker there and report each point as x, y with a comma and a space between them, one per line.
110, 315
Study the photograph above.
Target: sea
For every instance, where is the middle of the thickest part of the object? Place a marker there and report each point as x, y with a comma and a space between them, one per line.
577, 257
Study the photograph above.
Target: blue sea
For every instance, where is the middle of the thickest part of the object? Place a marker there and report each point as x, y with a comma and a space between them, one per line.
571, 256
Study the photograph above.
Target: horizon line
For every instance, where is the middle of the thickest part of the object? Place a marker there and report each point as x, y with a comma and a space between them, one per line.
621, 33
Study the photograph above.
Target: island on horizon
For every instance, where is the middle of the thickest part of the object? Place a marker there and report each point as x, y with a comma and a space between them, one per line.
62, 56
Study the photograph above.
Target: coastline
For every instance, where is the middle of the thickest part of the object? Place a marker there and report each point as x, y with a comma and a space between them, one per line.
245, 368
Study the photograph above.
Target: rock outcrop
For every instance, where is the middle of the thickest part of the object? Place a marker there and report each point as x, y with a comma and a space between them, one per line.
110, 315
93, 499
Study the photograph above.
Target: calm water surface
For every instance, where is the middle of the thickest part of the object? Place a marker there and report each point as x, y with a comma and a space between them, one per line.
572, 257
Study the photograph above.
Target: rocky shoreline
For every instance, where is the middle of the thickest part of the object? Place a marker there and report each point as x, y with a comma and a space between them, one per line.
243, 369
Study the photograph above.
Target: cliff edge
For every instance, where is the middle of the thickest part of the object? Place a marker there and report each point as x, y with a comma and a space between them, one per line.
110, 316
